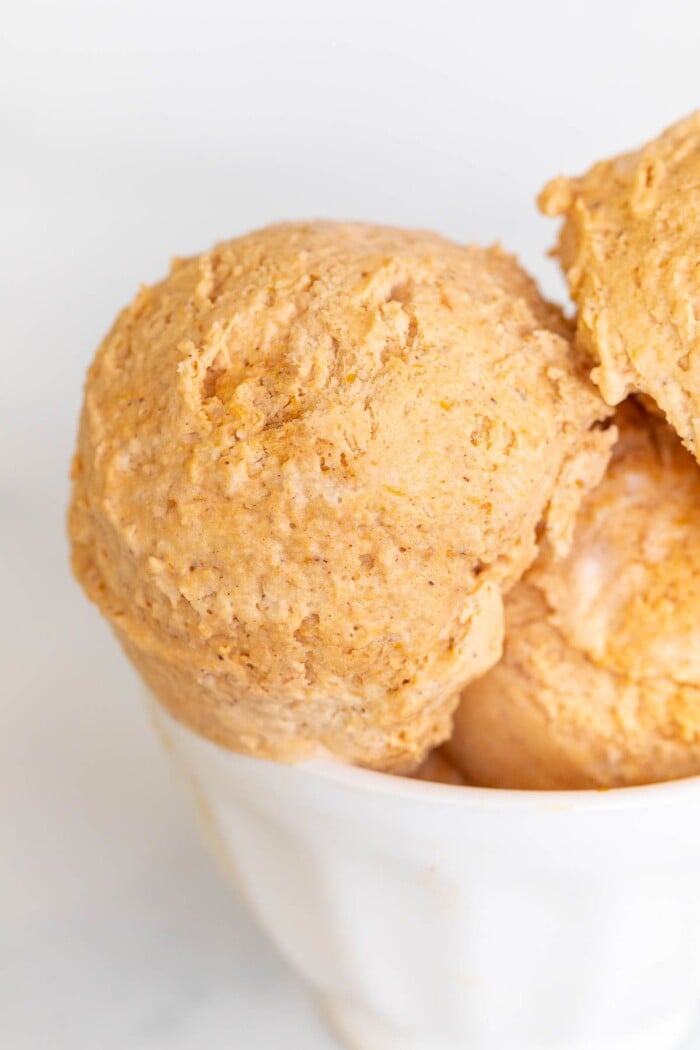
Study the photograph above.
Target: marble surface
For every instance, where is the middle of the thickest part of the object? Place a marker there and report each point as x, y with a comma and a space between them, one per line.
131, 132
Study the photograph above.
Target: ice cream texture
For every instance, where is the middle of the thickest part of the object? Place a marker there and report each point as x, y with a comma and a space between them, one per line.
310, 463
599, 685
630, 247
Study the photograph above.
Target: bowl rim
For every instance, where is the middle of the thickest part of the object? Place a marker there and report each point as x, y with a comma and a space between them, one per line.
391, 785
371, 782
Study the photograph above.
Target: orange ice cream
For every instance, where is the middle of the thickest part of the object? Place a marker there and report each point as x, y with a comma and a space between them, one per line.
310, 463
630, 247
599, 685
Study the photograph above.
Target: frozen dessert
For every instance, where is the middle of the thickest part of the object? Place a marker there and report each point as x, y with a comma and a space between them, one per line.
630, 246
599, 685
440, 769
310, 463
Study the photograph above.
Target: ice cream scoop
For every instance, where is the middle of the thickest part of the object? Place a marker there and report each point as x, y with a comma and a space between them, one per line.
310, 462
630, 247
599, 685
439, 769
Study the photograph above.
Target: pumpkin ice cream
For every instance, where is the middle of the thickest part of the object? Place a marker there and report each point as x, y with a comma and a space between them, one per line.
599, 685
310, 462
630, 247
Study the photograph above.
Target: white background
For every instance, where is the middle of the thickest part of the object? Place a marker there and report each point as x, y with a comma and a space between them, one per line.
130, 132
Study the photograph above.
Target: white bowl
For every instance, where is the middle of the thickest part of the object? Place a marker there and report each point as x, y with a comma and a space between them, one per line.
433, 917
